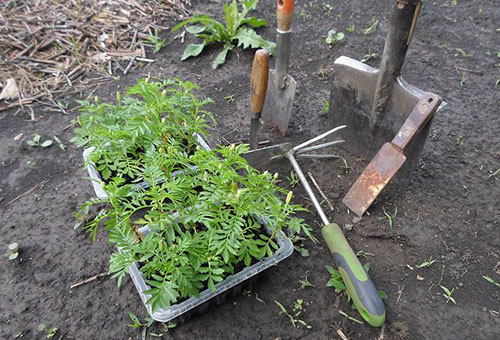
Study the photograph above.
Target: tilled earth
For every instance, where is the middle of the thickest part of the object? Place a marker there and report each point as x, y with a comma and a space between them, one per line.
449, 210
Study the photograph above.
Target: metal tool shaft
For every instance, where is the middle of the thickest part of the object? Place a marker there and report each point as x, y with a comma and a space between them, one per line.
308, 188
315, 139
321, 146
283, 41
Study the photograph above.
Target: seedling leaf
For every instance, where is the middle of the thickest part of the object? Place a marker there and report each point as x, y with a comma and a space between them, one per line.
192, 50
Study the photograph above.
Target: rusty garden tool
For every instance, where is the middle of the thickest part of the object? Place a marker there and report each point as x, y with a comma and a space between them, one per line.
358, 284
281, 88
374, 103
389, 159
258, 85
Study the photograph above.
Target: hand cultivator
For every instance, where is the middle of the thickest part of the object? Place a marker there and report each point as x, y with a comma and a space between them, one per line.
359, 285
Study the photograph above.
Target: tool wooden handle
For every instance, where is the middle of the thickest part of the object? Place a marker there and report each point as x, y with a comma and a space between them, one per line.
284, 12
258, 80
419, 116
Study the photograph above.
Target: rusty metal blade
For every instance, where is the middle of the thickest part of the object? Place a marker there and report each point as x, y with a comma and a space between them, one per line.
278, 106
374, 178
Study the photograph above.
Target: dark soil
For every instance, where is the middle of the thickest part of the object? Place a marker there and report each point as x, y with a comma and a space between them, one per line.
449, 211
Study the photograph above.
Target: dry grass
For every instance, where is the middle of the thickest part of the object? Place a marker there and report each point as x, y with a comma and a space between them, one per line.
54, 47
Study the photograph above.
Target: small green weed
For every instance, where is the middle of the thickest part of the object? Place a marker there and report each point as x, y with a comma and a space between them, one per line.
462, 53
306, 283
350, 317
157, 42
447, 294
372, 27
463, 80
494, 173
350, 28
390, 217
460, 141
369, 56
364, 254
293, 179
326, 107
51, 332
333, 37
60, 143
13, 251
490, 280
143, 326
229, 98
303, 14
234, 33
426, 264
36, 141
294, 318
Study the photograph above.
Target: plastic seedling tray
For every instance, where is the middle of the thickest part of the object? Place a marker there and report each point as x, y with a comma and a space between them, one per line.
230, 286
96, 179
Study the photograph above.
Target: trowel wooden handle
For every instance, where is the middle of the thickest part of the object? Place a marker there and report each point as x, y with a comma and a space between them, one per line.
284, 12
419, 116
258, 80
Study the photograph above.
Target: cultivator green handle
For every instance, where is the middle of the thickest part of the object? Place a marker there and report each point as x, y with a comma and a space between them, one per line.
359, 285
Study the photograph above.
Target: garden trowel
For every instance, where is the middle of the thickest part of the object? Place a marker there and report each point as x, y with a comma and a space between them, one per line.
389, 159
359, 286
281, 88
374, 103
258, 86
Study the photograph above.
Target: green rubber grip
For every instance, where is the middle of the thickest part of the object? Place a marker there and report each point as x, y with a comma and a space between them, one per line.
359, 285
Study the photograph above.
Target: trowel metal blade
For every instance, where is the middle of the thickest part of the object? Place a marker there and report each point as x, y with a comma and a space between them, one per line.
278, 106
261, 158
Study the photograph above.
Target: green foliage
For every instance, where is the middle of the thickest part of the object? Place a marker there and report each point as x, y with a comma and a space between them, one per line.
306, 283
36, 141
350, 28
295, 321
369, 56
293, 179
326, 106
51, 332
156, 41
13, 251
447, 294
372, 27
130, 137
390, 217
333, 37
202, 221
143, 326
60, 143
490, 280
426, 264
350, 317
234, 33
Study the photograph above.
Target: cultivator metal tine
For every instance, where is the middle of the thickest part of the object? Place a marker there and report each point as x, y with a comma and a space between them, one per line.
320, 146
313, 156
315, 139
